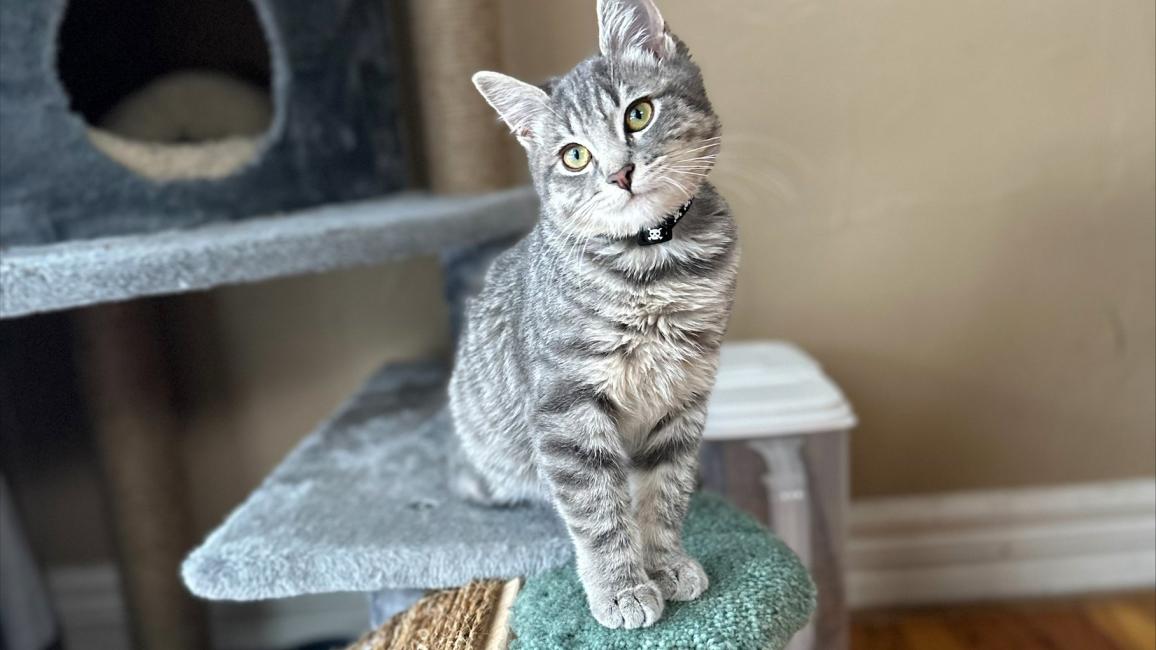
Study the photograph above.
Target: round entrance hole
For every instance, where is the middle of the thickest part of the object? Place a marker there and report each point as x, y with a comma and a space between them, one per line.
171, 89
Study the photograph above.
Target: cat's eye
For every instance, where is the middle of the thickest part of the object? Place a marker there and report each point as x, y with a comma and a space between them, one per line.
638, 116
575, 157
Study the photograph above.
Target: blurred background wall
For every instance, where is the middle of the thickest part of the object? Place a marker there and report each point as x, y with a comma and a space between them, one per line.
952, 205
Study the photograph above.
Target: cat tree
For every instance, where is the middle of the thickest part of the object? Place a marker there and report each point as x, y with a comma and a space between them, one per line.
82, 224
361, 504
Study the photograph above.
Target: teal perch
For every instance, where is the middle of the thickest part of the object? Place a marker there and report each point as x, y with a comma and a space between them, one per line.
759, 596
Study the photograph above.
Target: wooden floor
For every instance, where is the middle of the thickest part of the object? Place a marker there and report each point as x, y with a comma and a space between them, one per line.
1124, 622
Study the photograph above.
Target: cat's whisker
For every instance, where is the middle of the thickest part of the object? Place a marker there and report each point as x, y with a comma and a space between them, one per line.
715, 138
682, 188
669, 176
674, 185
662, 172
581, 221
573, 247
704, 160
580, 216
582, 252
584, 206
715, 146
709, 142
692, 155
681, 157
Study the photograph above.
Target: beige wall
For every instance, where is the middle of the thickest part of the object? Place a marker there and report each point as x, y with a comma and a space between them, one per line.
268, 362
951, 204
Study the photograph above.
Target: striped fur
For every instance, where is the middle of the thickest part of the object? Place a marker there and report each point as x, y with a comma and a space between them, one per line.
584, 370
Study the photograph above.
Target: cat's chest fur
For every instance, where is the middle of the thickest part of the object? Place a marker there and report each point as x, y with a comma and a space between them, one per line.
660, 343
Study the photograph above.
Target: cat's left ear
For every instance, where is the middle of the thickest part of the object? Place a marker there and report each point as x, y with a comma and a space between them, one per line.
633, 25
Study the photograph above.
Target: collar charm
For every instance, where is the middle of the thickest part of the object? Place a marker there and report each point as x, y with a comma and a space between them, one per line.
663, 232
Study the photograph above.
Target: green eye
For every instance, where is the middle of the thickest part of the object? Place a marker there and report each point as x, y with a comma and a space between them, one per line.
638, 116
575, 157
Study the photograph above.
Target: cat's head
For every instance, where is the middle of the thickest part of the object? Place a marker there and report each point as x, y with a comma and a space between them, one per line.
625, 137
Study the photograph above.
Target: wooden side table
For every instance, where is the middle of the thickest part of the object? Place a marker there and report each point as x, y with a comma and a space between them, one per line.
773, 399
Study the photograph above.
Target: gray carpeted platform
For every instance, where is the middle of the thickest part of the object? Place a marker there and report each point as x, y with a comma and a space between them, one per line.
73, 274
361, 505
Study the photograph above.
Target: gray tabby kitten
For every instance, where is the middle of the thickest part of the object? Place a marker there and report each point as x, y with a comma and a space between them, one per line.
583, 374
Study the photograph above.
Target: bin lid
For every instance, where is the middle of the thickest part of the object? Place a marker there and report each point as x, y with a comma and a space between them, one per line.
773, 388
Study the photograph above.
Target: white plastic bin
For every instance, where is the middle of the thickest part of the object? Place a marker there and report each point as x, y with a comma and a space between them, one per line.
774, 399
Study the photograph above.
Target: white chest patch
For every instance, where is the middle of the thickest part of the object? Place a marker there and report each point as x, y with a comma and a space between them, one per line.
655, 369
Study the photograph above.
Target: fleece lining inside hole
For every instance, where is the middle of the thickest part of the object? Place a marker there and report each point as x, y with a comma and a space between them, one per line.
169, 89
197, 124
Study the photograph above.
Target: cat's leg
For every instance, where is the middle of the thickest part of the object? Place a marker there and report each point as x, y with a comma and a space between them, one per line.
666, 471
581, 458
468, 483
498, 487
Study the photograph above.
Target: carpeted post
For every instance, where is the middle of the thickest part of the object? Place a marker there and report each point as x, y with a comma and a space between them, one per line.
130, 401
465, 149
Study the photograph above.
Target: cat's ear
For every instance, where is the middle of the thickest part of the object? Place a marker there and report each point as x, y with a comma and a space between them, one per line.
521, 106
633, 25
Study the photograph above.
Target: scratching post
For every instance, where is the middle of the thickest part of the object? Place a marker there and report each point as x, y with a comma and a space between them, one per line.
465, 148
473, 617
131, 408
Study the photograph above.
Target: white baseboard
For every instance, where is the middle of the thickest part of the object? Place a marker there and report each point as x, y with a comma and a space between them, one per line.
1002, 544
901, 551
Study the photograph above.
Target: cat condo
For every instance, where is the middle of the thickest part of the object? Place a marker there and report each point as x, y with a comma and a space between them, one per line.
143, 158
208, 164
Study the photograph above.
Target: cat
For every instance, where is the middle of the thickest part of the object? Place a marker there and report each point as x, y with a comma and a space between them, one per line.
585, 365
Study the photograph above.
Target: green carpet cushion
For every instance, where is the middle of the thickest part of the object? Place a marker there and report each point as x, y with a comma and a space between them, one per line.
759, 596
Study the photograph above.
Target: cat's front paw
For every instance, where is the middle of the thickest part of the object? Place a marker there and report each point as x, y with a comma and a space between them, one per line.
637, 606
679, 577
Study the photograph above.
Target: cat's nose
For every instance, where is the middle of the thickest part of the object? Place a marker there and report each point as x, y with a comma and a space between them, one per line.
623, 177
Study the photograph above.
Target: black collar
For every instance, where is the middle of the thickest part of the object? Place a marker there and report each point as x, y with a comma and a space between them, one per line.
663, 232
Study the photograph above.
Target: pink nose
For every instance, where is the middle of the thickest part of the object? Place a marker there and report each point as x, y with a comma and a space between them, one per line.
623, 177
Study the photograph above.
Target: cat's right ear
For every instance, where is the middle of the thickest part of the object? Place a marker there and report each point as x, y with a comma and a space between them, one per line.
521, 106
628, 26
